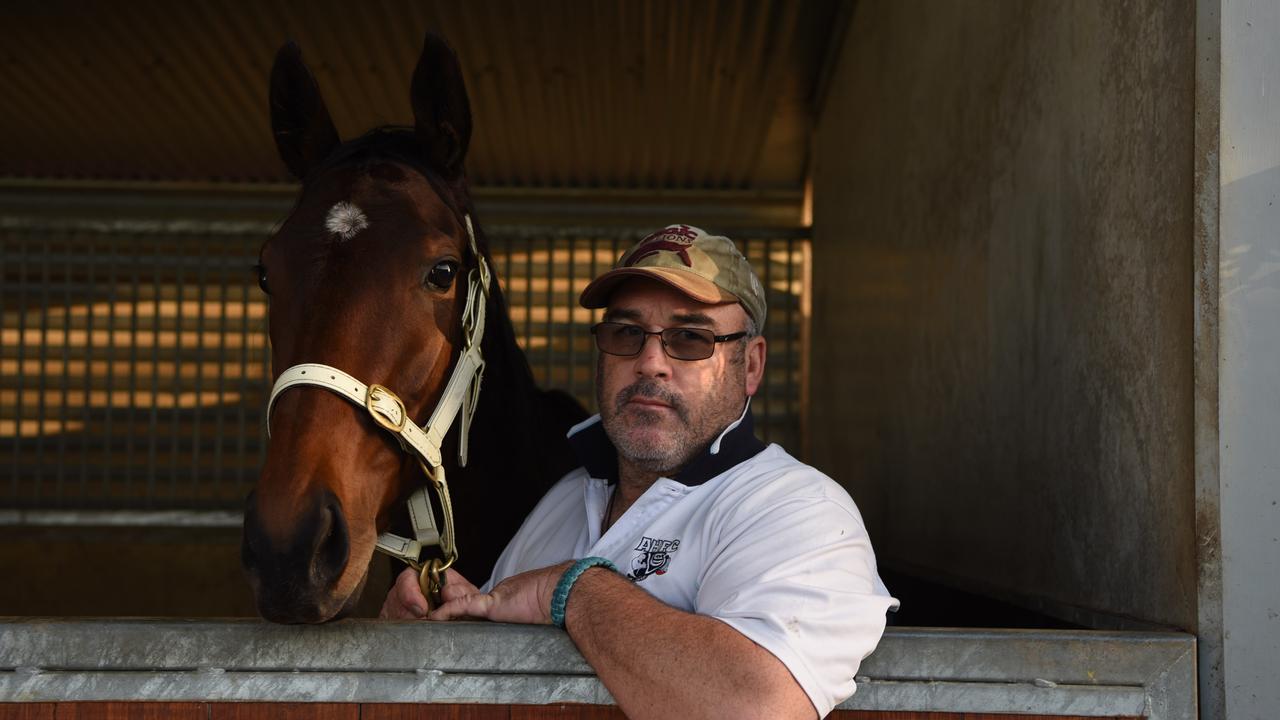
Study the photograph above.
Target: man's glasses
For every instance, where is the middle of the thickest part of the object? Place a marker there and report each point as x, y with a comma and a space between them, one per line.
679, 343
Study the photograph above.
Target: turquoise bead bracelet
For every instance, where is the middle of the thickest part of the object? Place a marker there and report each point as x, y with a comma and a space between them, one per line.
560, 598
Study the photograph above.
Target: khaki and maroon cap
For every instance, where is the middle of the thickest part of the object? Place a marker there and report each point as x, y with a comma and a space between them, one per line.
707, 268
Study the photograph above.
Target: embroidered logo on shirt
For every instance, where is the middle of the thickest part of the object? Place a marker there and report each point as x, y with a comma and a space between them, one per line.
655, 556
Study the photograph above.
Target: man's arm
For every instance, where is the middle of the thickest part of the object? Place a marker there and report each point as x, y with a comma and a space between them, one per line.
657, 661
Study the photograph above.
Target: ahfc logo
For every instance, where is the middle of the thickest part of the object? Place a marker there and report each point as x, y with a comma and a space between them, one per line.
654, 558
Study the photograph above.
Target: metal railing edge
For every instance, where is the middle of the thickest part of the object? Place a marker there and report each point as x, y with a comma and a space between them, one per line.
51, 659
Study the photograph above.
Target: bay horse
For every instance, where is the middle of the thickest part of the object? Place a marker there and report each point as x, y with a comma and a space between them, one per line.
369, 275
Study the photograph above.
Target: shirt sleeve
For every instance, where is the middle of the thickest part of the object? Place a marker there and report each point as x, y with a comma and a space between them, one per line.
797, 576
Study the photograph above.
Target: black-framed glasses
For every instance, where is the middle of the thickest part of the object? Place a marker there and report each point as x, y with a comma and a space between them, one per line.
679, 343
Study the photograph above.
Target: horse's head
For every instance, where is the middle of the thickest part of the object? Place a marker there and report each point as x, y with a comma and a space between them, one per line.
368, 274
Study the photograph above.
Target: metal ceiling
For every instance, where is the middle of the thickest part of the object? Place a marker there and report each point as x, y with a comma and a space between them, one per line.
670, 94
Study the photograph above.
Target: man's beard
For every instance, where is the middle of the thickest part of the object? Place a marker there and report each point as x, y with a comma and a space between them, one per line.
653, 455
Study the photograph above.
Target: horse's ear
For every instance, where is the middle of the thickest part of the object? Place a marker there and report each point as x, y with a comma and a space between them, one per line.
304, 132
441, 112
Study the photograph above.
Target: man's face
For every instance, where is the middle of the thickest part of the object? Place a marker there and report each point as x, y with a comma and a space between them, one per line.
658, 411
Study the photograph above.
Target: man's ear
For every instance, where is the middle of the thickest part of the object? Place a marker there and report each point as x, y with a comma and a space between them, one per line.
757, 351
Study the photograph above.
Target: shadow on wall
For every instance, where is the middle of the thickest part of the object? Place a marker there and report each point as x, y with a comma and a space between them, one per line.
1248, 269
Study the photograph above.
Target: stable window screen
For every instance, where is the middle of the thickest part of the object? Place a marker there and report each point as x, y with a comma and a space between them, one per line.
134, 362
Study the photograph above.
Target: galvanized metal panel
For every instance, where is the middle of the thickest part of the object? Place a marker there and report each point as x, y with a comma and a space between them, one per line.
1063, 673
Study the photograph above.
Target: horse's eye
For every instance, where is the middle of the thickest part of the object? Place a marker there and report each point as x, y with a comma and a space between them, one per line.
262, 277
442, 275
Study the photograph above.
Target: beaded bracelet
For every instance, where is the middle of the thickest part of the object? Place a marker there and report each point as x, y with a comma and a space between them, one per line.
560, 598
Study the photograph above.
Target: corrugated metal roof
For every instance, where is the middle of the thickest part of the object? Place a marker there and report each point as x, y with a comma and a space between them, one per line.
566, 94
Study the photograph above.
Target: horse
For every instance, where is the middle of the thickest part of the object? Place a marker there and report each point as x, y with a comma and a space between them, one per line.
367, 275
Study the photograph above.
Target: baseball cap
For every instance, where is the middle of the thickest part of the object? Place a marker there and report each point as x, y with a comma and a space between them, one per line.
707, 268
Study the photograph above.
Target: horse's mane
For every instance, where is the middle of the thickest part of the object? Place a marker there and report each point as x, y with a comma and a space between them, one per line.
399, 143
517, 444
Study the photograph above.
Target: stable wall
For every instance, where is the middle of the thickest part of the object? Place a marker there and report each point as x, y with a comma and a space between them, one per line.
1246, 496
1002, 330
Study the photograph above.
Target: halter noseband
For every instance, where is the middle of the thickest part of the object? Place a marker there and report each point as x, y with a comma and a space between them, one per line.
388, 411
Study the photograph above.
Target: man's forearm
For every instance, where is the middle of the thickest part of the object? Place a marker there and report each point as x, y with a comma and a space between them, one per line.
660, 662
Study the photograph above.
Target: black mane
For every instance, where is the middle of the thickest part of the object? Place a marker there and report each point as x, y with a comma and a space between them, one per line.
399, 144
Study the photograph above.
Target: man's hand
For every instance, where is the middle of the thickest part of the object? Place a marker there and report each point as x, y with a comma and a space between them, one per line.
687, 657
405, 600
523, 598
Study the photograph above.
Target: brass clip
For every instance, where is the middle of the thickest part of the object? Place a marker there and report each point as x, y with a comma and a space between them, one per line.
431, 578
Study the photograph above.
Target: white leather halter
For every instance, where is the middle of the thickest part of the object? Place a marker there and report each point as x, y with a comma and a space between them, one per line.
461, 393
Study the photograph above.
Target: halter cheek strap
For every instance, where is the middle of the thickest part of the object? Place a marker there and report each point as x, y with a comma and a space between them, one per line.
462, 393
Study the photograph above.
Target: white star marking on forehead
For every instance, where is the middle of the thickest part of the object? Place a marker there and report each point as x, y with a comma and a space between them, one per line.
345, 220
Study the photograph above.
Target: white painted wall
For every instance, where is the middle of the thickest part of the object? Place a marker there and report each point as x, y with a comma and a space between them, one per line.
1249, 357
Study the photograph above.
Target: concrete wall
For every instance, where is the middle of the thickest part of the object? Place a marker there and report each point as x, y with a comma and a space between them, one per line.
1249, 358
1002, 360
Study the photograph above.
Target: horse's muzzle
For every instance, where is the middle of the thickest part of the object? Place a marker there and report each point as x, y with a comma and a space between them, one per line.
295, 573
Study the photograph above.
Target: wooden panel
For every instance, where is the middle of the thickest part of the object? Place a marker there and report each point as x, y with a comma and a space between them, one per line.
399, 711
563, 712
284, 711
895, 715
130, 711
26, 711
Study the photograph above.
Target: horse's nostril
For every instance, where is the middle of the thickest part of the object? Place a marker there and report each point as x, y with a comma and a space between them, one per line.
332, 545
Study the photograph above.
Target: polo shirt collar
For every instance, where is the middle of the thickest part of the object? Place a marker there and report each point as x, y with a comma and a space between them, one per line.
735, 444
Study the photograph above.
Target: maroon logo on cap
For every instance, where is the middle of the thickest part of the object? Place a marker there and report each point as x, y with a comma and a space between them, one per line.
670, 239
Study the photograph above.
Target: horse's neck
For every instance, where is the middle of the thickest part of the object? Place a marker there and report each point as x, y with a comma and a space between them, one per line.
518, 425
516, 448
517, 451
522, 427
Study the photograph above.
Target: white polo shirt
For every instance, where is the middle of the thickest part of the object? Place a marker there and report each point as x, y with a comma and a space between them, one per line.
745, 533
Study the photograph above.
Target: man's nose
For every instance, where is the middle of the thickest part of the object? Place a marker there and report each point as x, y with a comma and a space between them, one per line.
652, 360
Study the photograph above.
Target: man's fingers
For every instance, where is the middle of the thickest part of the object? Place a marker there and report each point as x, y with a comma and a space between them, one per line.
393, 610
475, 605
406, 601
456, 586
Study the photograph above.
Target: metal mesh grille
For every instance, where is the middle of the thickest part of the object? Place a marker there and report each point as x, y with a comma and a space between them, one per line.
134, 364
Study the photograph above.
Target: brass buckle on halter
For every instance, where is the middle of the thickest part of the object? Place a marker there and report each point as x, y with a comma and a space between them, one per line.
380, 416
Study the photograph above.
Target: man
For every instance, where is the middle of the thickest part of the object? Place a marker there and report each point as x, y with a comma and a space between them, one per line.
745, 583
